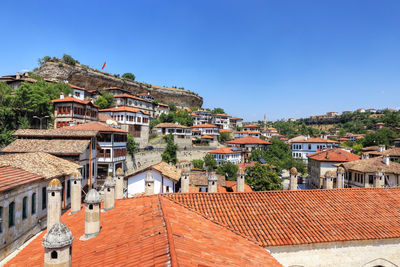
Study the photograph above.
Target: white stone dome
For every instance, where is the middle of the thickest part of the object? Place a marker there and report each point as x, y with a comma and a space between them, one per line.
93, 197
59, 236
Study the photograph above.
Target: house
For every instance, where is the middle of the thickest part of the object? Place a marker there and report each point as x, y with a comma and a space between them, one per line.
347, 112
220, 120
247, 144
302, 147
201, 117
23, 195
365, 172
393, 153
72, 111
128, 100
360, 110
76, 146
235, 122
240, 134
201, 130
16, 80
199, 181
228, 132
269, 132
332, 114
326, 160
251, 127
165, 179
182, 134
226, 154
112, 142
80, 93
146, 96
371, 110
132, 120
379, 125
396, 142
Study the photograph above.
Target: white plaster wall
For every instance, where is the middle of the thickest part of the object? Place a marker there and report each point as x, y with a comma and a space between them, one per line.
351, 253
136, 183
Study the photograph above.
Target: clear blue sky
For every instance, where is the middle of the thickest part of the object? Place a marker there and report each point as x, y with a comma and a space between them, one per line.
285, 58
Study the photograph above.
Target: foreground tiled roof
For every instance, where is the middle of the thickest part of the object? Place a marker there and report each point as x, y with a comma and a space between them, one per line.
224, 150
52, 146
277, 218
94, 126
249, 140
371, 165
62, 132
152, 231
39, 163
11, 177
333, 154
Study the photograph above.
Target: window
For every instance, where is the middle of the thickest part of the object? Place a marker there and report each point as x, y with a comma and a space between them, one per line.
24, 208
167, 189
44, 204
11, 215
33, 203
68, 188
1, 220
54, 254
370, 179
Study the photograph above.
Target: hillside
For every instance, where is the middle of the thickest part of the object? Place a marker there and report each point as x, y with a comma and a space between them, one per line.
92, 79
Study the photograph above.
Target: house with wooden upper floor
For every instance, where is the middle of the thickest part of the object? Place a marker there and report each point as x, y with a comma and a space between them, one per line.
304, 146
182, 134
220, 120
23, 195
226, 154
235, 122
201, 117
208, 130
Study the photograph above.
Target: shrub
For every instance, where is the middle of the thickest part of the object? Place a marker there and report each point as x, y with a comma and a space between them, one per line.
69, 60
129, 76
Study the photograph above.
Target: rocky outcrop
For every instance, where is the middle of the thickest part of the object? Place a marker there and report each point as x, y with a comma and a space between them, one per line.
92, 79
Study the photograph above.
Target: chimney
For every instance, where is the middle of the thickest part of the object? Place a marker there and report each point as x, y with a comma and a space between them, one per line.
340, 178
92, 214
381, 148
240, 180
149, 184
18, 76
379, 178
212, 182
53, 203
364, 156
70, 95
109, 193
58, 246
119, 184
328, 181
61, 95
293, 179
386, 160
76, 192
185, 180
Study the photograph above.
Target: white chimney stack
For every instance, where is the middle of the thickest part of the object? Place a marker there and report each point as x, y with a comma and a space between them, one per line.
92, 214
58, 246
76, 192
61, 95
293, 179
185, 181
53, 203
381, 148
212, 183
119, 184
149, 184
240, 180
386, 160
328, 181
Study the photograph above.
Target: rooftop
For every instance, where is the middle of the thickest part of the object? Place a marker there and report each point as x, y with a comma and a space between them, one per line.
201, 179
314, 140
249, 140
94, 126
170, 125
371, 165
11, 177
51, 146
152, 231
224, 150
165, 169
73, 99
61, 132
130, 96
333, 154
205, 125
124, 108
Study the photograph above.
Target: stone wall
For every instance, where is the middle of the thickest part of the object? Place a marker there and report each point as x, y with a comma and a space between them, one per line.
383, 252
92, 79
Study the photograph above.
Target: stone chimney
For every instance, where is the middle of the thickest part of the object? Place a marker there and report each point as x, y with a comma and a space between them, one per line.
365, 156
379, 178
53, 203
58, 246
92, 214
18, 76
386, 160
340, 178
381, 148
61, 95
328, 181
119, 184
76, 192
240, 180
293, 179
109, 193
212, 182
149, 184
185, 180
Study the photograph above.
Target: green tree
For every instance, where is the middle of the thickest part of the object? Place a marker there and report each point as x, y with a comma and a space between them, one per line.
229, 170
129, 76
69, 60
383, 136
198, 163
223, 137
169, 154
262, 178
172, 108
218, 111
210, 162
131, 145
105, 100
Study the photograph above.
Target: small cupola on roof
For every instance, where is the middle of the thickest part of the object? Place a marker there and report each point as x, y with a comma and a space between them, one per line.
149, 184
92, 214
109, 194
58, 246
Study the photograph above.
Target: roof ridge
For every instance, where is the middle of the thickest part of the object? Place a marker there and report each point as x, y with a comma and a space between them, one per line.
211, 220
171, 245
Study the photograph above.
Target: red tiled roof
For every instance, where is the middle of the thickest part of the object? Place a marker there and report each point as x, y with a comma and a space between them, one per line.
73, 99
223, 150
206, 125
77, 87
249, 140
251, 126
278, 218
94, 126
104, 118
333, 154
314, 140
225, 131
152, 231
248, 132
132, 97
11, 177
207, 137
170, 125
233, 186
124, 108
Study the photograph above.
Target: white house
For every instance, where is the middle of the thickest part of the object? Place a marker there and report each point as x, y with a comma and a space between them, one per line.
205, 130
247, 133
201, 117
332, 113
301, 148
220, 120
226, 154
165, 178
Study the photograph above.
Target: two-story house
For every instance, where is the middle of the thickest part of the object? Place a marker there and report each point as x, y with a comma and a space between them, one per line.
220, 120
201, 117
302, 147
247, 144
182, 134
226, 154
201, 130
235, 122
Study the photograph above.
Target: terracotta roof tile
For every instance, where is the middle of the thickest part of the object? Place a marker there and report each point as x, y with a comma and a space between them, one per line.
314, 140
207, 137
371, 165
205, 125
130, 96
75, 100
224, 150
277, 218
170, 125
124, 108
94, 126
249, 140
51, 146
201, 179
333, 154
62, 132
232, 185
11, 177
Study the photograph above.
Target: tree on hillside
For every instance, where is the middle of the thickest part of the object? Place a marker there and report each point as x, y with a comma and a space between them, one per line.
262, 178
223, 137
229, 170
129, 76
198, 163
105, 100
210, 162
383, 136
169, 154
218, 111
69, 60
131, 145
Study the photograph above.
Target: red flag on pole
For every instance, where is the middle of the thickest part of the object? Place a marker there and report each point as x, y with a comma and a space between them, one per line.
104, 65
